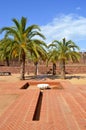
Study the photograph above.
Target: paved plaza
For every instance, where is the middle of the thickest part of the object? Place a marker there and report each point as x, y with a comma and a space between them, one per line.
58, 109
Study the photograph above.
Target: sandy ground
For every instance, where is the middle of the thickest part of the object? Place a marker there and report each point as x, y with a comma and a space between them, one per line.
74, 78
79, 79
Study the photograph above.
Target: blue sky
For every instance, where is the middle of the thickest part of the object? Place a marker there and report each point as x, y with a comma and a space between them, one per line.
56, 18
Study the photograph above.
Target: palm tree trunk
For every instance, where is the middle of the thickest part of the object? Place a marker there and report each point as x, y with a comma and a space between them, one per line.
7, 61
54, 69
36, 68
62, 65
22, 77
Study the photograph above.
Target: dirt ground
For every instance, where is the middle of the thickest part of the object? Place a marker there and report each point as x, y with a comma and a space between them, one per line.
79, 79
73, 78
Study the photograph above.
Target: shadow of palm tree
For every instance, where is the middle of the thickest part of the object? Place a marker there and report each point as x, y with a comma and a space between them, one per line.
76, 77
42, 77
52, 77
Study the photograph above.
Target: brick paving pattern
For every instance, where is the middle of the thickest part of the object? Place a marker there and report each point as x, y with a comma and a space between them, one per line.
61, 109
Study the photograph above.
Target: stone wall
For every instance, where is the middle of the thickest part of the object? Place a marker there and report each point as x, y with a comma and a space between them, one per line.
70, 69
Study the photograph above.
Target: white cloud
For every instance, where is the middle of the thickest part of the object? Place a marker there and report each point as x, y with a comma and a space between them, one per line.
70, 26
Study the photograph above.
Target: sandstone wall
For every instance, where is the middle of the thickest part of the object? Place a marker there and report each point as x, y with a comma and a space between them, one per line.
43, 69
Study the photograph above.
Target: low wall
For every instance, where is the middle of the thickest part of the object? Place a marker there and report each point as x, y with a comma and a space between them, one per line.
70, 69
76, 69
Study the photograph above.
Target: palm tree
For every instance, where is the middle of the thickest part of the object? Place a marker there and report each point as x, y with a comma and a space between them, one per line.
21, 40
38, 54
67, 50
53, 56
4, 51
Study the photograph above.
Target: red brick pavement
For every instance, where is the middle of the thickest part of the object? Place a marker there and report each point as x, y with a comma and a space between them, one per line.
63, 109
